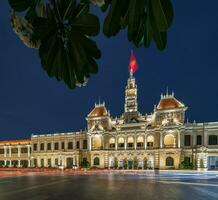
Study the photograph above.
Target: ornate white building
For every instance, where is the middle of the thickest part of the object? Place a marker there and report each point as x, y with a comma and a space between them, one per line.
161, 140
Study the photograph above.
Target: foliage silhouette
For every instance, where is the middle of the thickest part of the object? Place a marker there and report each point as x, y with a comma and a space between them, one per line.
61, 30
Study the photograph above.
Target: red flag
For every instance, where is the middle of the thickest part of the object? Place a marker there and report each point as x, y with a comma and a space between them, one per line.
133, 65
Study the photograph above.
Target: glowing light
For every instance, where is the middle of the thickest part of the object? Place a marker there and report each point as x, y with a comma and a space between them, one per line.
133, 65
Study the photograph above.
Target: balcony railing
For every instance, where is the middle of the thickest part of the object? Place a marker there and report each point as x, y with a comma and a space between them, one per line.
97, 148
140, 148
170, 146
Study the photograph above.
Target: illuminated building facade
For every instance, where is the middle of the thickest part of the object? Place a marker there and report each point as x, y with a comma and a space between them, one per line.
161, 140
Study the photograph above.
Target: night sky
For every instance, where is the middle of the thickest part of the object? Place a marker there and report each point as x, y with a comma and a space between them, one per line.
31, 102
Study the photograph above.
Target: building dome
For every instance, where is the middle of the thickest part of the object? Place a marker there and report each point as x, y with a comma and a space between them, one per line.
99, 111
169, 102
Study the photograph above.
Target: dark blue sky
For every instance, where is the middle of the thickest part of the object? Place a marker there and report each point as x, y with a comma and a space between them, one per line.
31, 102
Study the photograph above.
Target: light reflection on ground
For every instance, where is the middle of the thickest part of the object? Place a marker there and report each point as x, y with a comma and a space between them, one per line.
128, 185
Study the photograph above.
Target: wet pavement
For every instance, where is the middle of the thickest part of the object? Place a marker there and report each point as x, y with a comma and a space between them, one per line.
104, 186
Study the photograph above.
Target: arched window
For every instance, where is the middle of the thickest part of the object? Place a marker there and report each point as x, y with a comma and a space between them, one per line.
140, 141
150, 141
112, 142
169, 140
130, 142
169, 162
96, 161
121, 142
96, 142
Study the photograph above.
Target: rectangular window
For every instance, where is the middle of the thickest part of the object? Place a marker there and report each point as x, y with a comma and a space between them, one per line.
150, 144
56, 147
34, 147
129, 145
112, 145
140, 144
56, 161
187, 159
42, 162
70, 145
42, 146
49, 146
77, 144
199, 140
24, 150
84, 144
62, 145
2, 151
35, 162
49, 162
187, 140
14, 150
120, 145
212, 140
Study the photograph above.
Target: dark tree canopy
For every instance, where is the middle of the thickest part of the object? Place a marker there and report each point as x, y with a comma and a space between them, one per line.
61, 30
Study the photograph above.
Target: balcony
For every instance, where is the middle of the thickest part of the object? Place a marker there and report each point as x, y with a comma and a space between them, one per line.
140, 147
170, 146
149, 147
97, 148
130, 148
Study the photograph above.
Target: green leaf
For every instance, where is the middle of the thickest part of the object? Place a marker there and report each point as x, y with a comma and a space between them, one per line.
112, 21
168, 10
87, 24
43, 28
136, 10
139, 38
90, 47
163, 14
20, 5
148, 29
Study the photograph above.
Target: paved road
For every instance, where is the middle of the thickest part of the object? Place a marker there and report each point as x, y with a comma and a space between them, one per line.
149, 186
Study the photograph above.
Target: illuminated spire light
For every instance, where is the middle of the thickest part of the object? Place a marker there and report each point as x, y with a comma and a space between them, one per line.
133, 65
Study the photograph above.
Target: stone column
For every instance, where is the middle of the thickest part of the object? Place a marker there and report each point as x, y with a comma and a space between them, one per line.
116, 143
5, 151
10, 151
74, 160
5, 161
193, 138
135, 145
10, 163
18, 163
28, 149
179, 140
18, 152
145, 142
29, 163
90, 143
52, 161
77, 159
161, 140
125, 142
205, 138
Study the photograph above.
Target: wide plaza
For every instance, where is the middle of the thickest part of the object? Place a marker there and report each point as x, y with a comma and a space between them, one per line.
105, 184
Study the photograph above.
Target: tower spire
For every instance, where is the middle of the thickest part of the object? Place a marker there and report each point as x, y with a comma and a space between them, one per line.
131, 88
